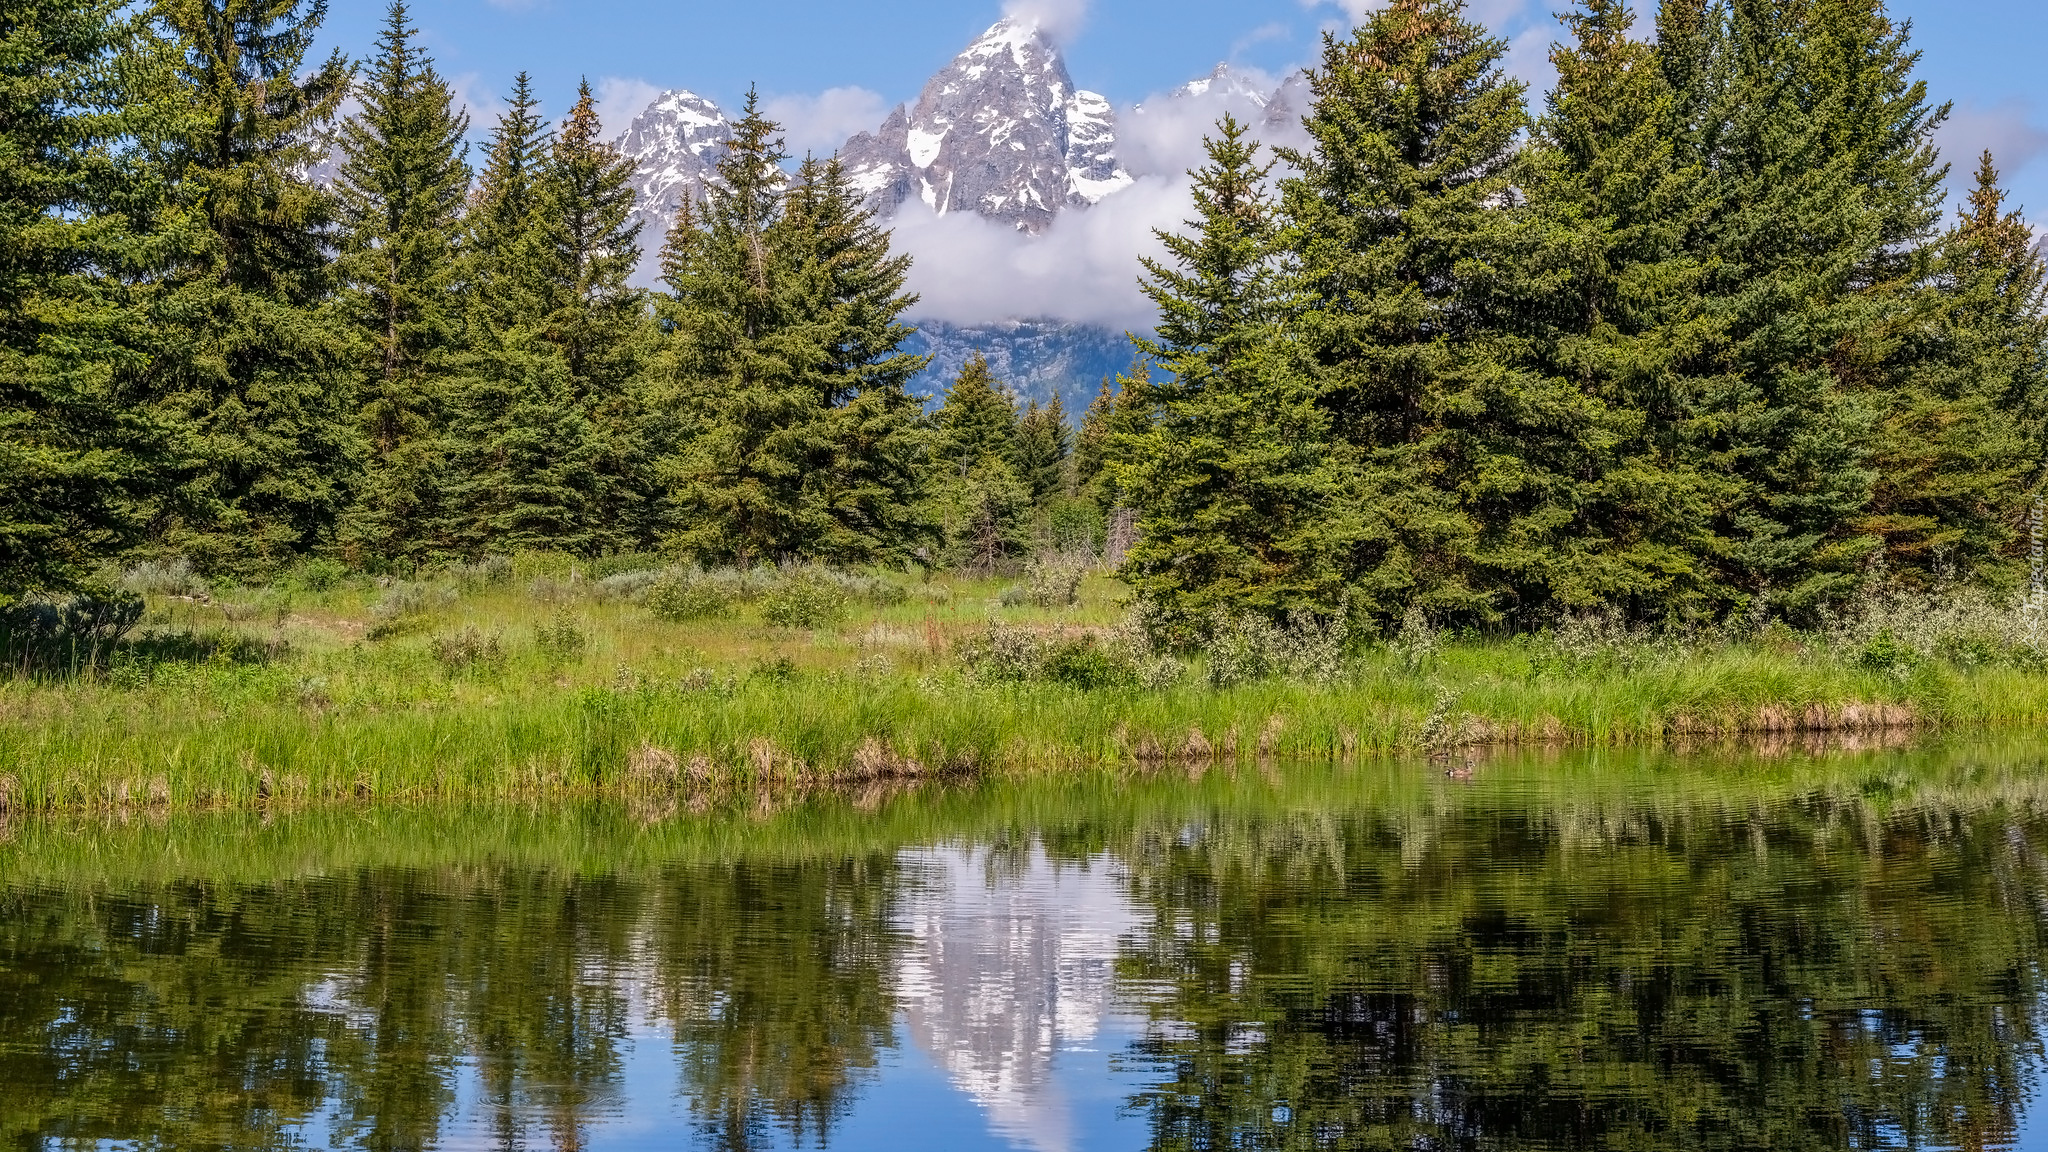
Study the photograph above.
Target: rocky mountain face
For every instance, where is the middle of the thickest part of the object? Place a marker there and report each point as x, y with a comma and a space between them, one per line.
675, 145
1038, 359
1001, 131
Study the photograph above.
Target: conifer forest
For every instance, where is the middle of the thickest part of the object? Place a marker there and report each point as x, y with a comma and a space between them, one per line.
1689, 335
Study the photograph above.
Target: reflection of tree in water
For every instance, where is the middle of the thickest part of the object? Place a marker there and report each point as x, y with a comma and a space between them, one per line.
196, 1016
1814, 974
776, 977
1809, 977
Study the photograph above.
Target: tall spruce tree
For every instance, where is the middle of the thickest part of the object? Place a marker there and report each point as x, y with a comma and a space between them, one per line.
599, 321
846, 284
980, 499
1961, 440
1238, 484
781, 349
1621, 513
1122, 408
520, 447
1396, 212
1044, 446
1783, 246
252, 359
731, 361
403, 182
75, 452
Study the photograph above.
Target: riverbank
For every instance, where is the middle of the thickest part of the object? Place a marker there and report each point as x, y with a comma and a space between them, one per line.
539, 680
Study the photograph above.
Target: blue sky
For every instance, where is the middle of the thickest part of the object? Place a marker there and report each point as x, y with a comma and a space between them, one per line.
832, 65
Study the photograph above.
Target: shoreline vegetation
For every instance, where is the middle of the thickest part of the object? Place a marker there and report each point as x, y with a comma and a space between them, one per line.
544, 677
1599, 796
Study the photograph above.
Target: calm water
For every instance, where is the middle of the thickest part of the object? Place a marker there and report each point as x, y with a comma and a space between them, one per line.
1787, 950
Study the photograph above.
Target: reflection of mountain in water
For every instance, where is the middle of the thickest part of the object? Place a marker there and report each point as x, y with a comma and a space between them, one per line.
1009, 959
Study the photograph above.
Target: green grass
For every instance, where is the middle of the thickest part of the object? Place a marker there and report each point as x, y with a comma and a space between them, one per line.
1600, 797
284, 696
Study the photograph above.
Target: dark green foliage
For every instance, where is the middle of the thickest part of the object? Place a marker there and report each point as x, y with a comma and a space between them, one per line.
793, 435
253, 359
1613, 506
544, 445
1044, 445
1396, 208
402, 187
1960, 443
1121, 409
982, 498
1238, 483
75, 452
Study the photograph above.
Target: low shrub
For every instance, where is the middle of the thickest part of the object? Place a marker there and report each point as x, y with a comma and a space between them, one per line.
318, 574
679, 596
1049, 582
468, 650
172, 576
401, 606
560, 640
1244, 649
489, 572
1089, 661
630, 564
806, 599
67, 635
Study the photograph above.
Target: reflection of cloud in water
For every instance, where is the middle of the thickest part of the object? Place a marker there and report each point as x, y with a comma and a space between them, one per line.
1008, 960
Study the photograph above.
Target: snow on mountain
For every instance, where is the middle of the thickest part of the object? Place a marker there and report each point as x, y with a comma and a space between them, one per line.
1000, 147
675, 145
1001, 131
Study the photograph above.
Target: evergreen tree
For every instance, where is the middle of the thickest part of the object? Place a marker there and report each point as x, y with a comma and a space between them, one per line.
781, 349
846, 285
1817, 166
977, 420
402, 186
1123, 408
1239, 487
252, 360
1398, 208
983, 502
597, 315
599, 320
1615, 510
520, 448
1961, 440
1044, 444
75, 453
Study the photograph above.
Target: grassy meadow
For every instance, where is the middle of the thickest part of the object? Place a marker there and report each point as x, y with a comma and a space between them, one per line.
540, 677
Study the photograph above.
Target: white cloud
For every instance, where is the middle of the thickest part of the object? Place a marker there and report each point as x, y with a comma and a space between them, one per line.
476, 99
1059, 19
821, 124
1164, 136
620, 99
2007, 128
1259, 35
1084, 268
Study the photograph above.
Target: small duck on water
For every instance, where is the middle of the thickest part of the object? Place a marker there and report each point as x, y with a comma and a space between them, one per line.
1459, 771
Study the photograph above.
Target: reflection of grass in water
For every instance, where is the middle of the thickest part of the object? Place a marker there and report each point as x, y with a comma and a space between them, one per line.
1587, 798
476, 692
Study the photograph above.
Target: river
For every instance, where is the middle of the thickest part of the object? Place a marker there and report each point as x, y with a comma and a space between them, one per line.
1781, 947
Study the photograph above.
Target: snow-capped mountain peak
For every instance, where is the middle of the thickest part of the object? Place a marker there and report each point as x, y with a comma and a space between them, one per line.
1001, 131
675, 145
